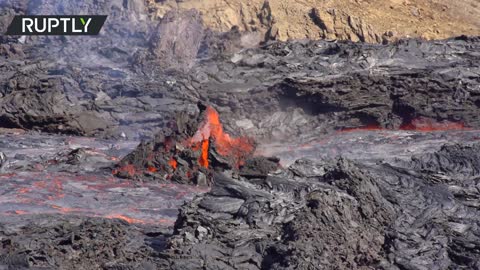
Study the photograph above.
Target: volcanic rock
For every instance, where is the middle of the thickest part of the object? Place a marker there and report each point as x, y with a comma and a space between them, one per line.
379, 211
40, 105
178, 40
3, 160
115, 80
344, 216
331, 213
75, 243
285, 89
283, 220
339, 25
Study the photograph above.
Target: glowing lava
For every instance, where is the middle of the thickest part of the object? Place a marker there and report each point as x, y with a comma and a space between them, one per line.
152, 169
204, 157
173, 163
234, 148
125, 218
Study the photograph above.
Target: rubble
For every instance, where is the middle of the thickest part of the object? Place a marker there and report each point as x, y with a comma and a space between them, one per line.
186, 27
75, 243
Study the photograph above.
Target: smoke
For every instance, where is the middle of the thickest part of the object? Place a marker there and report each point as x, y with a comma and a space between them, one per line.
126, 30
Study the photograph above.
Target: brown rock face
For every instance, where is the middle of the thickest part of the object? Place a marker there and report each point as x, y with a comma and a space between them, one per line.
359, 20
178, 38
340, 25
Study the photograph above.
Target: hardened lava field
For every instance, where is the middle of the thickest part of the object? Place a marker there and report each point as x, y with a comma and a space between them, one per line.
162, 143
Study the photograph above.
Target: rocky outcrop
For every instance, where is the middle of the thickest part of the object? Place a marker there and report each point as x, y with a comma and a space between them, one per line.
74, 243
178, 39
372, 21
336, 214
285, 221
40, 103
340, 25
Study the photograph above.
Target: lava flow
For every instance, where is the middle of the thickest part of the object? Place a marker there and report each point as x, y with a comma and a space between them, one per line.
183, 158
234, 148
172, 162
30, 193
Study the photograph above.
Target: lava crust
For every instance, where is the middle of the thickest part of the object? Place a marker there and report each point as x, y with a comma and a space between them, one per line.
336, 214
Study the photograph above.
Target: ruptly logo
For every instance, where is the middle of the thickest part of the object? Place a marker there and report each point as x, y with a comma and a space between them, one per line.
56, 25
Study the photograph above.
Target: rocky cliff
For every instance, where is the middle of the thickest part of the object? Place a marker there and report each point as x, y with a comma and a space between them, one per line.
358, 20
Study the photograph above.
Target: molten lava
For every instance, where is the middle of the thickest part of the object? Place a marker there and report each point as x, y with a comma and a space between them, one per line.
234, 148
179, 157
203, 161
173, 163
152, 169
125, 218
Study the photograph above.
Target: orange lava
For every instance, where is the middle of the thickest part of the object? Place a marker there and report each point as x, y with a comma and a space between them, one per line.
130, 220
173, 163
426, 125
234, 148
66, 210
152, 169
204, 157
125, 218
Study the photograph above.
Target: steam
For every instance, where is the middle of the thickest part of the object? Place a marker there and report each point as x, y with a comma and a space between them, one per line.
126, 30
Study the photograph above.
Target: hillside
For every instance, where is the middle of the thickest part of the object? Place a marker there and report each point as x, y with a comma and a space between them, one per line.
364, 20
